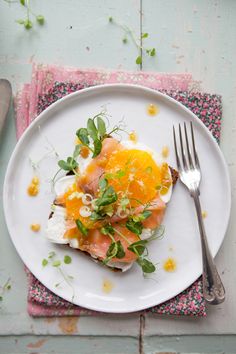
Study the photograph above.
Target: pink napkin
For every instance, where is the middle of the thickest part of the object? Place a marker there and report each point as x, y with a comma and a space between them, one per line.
50, 83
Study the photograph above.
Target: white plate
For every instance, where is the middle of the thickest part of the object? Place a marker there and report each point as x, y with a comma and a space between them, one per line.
57, 126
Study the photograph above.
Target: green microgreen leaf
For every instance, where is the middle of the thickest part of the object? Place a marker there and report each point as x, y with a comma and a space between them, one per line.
51, 254
145, 214
107, 229
146, 265
101, 127
110, 19
109, 196
120, 250
82, 134
92, 130
153, 52
124, 40
95, 216
1, 298
138, 247
76, 151
97, 144
20, 21
67, 259
72, 162
81, 227
63, 164
109, 175
107, 210
56, 263
144, 35
102, 184
44, 262
112, 250
28, 24
22, 2
140, 217
134, 226
139, 60
40, 19
115, 250
69, 165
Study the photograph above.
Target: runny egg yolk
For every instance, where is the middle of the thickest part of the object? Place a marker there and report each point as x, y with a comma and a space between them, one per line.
136, 173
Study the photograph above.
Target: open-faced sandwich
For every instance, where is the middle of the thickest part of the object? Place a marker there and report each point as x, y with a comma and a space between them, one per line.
111, 201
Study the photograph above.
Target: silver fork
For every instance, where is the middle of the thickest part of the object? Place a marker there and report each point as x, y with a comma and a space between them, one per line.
190, 175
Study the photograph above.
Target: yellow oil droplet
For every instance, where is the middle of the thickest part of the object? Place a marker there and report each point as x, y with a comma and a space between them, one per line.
169, 265
33, 188
165, 152
107, 286
133, 137
152, 109
204, 214
35, 227
35, 180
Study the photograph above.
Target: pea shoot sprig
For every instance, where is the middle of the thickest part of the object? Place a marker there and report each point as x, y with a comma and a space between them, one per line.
27, 21
139, 248
129, 34
4, 288
95, 133
54, 261
91, 137
115, 249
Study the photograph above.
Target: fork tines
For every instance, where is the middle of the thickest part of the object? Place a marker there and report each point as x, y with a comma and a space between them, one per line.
189, 154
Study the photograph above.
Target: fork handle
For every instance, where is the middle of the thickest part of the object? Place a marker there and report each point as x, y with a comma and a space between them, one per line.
213, 288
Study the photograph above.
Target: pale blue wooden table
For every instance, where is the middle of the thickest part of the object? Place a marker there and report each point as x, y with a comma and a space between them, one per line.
190, 36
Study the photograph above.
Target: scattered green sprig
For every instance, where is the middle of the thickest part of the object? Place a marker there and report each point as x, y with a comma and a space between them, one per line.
129, 34
96, 131
140, 249
92, 137
4, 288
27, 21
57, 263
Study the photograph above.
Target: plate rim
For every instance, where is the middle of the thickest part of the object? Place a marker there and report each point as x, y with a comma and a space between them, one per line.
99, 88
